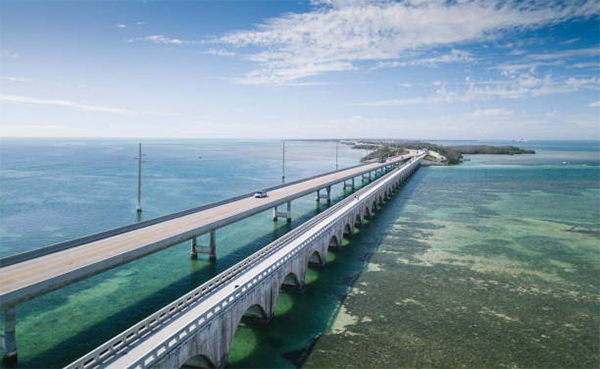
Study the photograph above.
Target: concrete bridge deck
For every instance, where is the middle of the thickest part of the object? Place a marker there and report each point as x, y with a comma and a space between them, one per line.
40, 274
202, 323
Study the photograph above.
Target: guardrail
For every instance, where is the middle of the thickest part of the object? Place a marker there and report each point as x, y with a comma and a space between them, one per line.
27, 255
120, 342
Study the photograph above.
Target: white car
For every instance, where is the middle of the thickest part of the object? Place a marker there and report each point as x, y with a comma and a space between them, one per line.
260, 194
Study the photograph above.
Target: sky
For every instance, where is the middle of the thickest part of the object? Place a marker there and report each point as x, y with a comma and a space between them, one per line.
415, 69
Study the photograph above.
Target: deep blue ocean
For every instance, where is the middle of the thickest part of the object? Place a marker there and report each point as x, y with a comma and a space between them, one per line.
52, 190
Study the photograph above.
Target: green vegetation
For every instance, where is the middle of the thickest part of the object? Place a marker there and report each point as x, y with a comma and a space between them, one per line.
382, 152
485, 149
453, 154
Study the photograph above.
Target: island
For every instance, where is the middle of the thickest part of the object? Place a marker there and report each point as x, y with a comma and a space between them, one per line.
438, 154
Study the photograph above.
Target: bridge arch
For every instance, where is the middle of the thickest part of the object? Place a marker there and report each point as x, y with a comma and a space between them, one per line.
291, 281
358, 220
334, 242
254, 313
251, 311
348, 231
198, 361
316, 259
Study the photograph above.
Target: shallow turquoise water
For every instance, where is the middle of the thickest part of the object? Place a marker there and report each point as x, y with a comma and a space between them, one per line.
529, 223
493, 263
54, 190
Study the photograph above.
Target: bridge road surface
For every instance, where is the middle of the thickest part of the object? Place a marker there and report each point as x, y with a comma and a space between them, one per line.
153, 341
132, 357
30, 278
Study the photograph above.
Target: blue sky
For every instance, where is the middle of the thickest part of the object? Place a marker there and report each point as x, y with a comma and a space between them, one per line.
419, 69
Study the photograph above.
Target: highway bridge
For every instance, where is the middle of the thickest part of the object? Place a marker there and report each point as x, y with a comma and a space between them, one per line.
27, 275
197, 329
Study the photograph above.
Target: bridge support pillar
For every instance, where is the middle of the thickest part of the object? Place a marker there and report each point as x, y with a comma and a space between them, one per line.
350, 185
210, 250
283, 214
327, 196
9, 341
193, 252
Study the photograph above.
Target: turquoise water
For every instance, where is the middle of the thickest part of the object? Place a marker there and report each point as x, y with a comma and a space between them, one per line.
491, 263
54, 190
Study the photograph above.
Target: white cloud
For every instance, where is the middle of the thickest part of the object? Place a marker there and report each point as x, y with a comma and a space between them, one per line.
218, 52
585, 65
16, 79
482, 113
522, 86
592, 51
139, 23
281, 76
594, 104
510, 69
120, 25
406, 85
160, 39
518, 52
454, 56
336, 34
66, 103
570, 41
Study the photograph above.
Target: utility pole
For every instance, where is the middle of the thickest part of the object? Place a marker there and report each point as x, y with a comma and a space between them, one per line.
138, 208
283, 164
336, 155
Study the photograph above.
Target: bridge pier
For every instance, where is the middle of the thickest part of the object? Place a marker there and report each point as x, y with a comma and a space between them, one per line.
283, 214
327, 196
349, 185
211, 250
193, 252
9, 341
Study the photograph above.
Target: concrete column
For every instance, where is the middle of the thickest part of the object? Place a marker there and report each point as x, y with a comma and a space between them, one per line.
351, 185
194, 252
9, 341
287, 214
275, 209
329, 194
213, 245
210, 250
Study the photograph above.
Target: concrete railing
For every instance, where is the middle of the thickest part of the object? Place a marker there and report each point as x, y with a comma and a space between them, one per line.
27, 255
119, 343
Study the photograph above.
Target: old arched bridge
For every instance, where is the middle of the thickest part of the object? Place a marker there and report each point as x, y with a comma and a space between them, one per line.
199, 327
